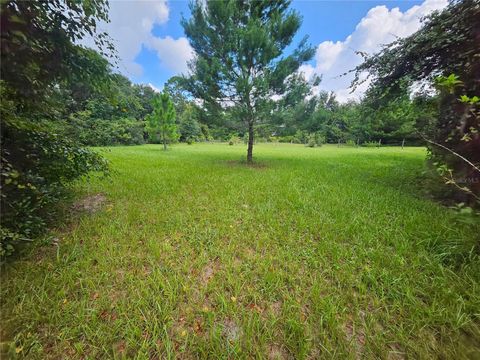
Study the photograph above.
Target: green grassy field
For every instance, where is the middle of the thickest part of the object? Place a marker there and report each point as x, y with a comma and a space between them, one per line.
312, 253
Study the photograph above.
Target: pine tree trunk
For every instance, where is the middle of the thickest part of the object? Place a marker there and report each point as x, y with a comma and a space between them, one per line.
250, 143
164, 138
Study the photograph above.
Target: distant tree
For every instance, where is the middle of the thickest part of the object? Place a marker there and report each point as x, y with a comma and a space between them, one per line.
389, 120
295, 108
145, 94
205, 131
239, 46
161, 122
111, 115
189, 127
177, 93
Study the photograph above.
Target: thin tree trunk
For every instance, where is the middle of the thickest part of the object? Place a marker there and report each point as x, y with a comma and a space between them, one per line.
164, 141
250, 143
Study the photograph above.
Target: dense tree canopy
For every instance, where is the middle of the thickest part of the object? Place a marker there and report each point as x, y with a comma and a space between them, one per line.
39, 58
39, 44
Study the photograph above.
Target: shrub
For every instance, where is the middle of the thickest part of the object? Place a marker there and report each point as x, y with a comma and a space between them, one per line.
234, 139
37, 168
205, 133
320, 139
371, 144
300, 137
42, 66
311, 142
350, 143
286, 139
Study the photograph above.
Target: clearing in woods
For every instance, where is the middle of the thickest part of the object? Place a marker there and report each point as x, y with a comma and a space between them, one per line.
314, 252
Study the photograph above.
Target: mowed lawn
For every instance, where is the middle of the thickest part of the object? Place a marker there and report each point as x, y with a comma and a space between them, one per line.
312, 253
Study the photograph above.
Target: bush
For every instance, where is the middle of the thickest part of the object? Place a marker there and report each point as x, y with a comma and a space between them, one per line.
205, 133
37, 167
311, 142
285, 139
234, 139
371, 144
300, 137
45, 75
320, 139
350, 143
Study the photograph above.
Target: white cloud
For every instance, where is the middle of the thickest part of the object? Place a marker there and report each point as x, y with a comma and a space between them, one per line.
130, 27
307, 70
327, 54
380, 26
154, 88
131, 23
173, 53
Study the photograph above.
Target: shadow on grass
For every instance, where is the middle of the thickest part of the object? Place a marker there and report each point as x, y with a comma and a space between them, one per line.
258, 165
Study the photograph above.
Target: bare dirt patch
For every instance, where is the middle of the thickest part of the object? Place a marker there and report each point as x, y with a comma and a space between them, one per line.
237, 261
120, 348
355, 336
209, 271
250, 253
90, 204
231, 330
276, 308
276, 352
117, 296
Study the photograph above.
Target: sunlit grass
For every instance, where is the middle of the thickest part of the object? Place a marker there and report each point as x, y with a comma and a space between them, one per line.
321, 253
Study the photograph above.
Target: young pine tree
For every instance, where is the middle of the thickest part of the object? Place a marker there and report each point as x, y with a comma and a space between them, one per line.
240, 60
161, 125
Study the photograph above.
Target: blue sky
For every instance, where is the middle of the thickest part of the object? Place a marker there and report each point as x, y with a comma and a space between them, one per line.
154, 72
153, 46
335, 20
